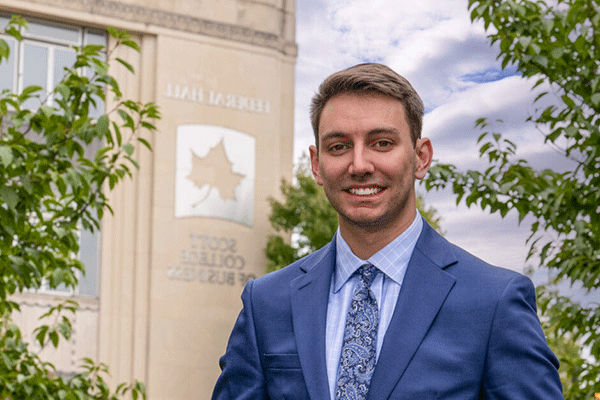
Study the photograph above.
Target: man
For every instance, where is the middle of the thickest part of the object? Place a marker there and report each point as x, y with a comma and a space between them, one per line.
389, 309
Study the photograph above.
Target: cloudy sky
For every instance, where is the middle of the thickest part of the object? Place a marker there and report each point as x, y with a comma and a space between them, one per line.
451, 64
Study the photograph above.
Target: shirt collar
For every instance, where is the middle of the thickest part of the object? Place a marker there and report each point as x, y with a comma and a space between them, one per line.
392, 260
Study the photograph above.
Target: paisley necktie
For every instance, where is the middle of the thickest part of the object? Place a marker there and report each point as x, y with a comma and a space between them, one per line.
358, 357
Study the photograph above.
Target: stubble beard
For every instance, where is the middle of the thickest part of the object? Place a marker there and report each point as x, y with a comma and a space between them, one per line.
388, 220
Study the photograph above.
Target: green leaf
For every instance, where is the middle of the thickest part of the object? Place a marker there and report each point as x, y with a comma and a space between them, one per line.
63, 90
132, 44
65, 328
19, 21
541, 60
568, 101
116, 33
14, 32
484, 148
525, 41
9, 197
100, 67
54, 338
7, 361
41, 335
112, 31
92, 49
135, 164
48, 111
128, 148
148, 125
102, 125
4, 49
145, 143
6, 155
79, 123
118, 135
112, 181
556, 53
125, 64
30, 89
539, 96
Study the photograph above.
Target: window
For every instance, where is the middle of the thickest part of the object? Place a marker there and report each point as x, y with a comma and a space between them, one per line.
39, 59
43, 54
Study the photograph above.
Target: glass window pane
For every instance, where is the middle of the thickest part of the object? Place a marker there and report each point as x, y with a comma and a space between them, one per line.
64, 34
88, 254
35, 70
95, 37
62, 59
8, 68
3, 21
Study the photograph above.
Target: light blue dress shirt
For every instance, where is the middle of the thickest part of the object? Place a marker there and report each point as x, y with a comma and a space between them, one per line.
392, 260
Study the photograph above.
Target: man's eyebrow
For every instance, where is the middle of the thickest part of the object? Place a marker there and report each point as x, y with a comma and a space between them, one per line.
377, 131
372, 132
335, 135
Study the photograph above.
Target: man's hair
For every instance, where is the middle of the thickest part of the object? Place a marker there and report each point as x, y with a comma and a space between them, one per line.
370, 78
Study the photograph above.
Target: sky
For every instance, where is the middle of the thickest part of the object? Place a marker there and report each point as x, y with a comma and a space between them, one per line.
451, 64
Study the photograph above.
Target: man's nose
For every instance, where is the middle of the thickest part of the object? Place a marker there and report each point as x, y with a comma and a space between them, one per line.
361, 162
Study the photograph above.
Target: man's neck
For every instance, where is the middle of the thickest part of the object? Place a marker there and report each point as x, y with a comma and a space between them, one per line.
366, 241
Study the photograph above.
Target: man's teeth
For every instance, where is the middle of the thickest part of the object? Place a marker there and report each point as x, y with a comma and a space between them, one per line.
365, 191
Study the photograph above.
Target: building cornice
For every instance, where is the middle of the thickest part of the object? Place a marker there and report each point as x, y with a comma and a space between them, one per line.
176, 21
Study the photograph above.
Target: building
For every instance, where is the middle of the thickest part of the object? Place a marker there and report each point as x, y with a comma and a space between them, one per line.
166, 271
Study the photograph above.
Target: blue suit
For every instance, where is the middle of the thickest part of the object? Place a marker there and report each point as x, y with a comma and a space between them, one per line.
462, 329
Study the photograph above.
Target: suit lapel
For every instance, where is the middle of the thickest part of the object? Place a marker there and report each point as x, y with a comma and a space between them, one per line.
424, 290
309, 297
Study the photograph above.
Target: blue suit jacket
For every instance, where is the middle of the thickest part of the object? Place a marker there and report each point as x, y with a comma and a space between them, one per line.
462, 329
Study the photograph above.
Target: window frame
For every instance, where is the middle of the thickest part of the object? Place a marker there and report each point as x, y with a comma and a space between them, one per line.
18, 56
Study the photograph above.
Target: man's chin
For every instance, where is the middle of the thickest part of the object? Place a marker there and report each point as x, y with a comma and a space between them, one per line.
366, 221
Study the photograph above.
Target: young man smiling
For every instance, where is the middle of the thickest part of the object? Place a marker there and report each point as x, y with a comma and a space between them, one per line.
389, 309
367, 163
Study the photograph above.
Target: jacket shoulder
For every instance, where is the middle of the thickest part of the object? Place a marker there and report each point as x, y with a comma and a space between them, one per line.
281, 277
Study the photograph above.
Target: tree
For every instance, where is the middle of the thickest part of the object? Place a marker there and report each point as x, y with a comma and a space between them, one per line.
307, 215
49, 191
558, 45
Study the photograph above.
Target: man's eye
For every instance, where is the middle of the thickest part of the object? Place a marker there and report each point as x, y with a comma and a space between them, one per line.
383, 143
337, 147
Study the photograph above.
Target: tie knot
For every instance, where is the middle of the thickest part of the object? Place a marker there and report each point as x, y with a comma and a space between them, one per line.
367, 274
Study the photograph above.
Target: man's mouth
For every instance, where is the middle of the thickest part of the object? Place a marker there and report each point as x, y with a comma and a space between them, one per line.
365, 191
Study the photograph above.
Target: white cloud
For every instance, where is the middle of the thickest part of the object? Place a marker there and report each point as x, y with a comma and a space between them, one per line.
433, 44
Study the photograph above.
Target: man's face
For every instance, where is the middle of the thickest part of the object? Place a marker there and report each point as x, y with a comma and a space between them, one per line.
367, 163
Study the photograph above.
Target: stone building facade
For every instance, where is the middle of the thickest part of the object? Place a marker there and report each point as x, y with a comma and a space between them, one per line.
166, 271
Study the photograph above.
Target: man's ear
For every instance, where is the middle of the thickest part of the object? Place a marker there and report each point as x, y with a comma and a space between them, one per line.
314, 163
424, 154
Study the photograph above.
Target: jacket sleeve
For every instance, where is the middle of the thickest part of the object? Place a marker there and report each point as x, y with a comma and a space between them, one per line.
241, 371
519, 363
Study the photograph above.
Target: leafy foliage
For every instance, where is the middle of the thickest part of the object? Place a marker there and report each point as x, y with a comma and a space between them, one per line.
24, 375
567, 324
307, 215
50, 189
558, 45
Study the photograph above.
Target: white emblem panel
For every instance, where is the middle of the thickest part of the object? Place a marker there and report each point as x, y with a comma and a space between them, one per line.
215, 173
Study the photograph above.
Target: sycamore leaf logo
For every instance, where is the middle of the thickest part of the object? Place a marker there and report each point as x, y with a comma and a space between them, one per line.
215, 170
